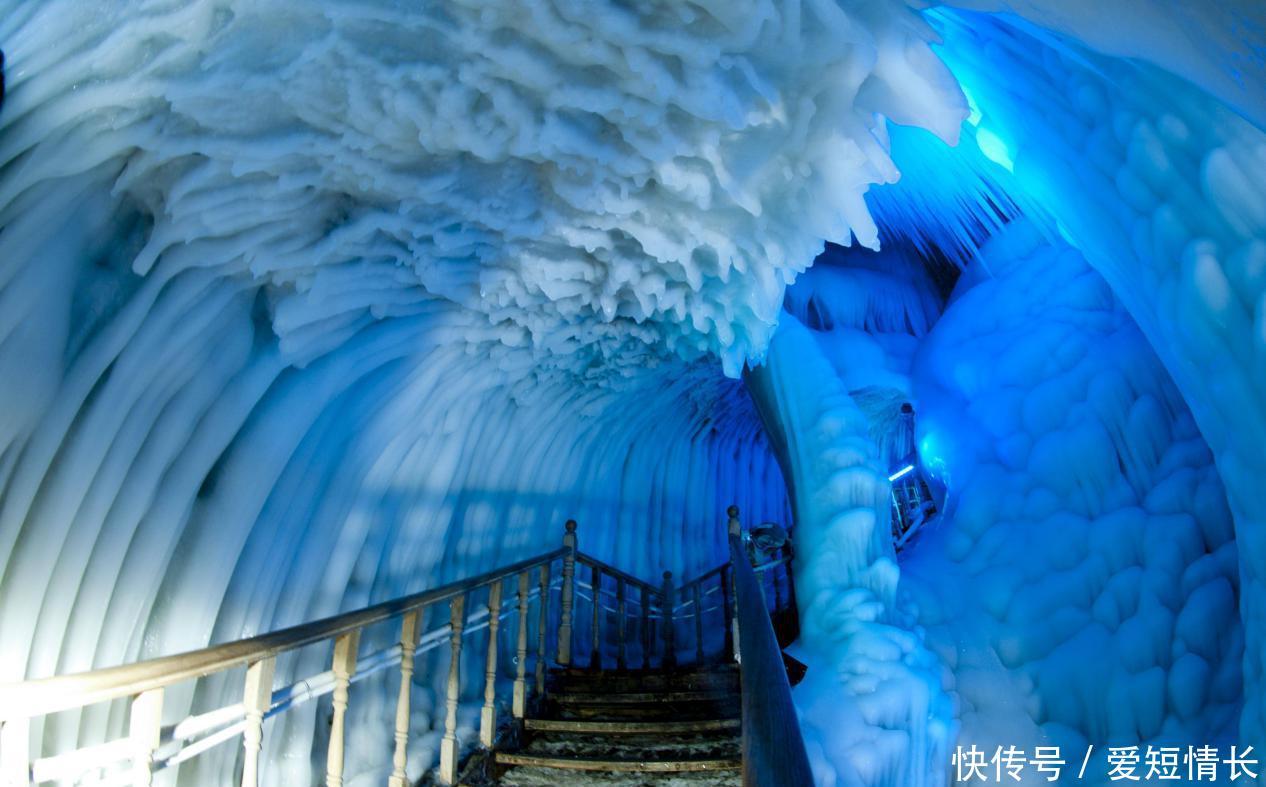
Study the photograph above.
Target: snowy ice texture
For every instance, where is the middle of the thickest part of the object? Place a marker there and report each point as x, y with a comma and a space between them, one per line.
309, 305
1087, 524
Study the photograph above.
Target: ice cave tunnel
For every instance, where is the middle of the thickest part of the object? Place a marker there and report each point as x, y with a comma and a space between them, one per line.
310, 307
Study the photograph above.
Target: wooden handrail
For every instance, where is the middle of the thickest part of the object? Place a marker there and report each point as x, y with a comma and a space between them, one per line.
705, 576
611, 571
49, 695
773, 749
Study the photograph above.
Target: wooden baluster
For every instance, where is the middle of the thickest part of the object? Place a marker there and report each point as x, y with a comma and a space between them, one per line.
449, 750
15, 753
735, 529
145, 729
595, 654
257, 698
409, 630
727, 607
541, 628
647, 640
620, 611
488, 716
670, 648
519, 700
569, 595
698, 623
345, 647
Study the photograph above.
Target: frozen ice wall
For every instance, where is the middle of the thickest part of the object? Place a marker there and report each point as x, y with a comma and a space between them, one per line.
1152, 179
1082, 580
874, 706
306, 306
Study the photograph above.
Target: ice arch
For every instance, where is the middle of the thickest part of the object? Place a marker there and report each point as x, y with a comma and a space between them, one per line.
407, 288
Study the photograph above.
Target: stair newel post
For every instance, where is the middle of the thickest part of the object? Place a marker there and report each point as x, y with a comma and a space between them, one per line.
620, 613
488, 715
145, 728
698, 604
448, 745
519, 701
569, 595
735, 530
595, 655
257, 697
344, 666
646, 627
670, 649
542, 626
409, 628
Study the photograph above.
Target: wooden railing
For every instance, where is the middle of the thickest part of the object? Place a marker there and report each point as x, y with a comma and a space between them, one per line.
646, 622
773, 749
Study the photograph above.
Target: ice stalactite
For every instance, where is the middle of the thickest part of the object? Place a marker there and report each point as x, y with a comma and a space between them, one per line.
874, 704
1082, 580
1147, 176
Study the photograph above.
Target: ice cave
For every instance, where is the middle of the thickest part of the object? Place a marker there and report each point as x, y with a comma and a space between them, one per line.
865, 393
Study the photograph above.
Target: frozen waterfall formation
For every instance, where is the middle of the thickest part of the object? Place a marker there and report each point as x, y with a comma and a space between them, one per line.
306, 306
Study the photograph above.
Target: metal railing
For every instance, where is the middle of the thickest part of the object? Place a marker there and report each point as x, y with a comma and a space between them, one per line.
149, 746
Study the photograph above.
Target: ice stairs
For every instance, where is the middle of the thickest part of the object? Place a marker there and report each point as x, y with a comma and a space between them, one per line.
634, 727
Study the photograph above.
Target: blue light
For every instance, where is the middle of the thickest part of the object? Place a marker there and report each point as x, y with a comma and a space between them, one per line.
900, 472
994, 148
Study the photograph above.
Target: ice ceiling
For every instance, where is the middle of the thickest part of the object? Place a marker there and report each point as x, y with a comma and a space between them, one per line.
311, 305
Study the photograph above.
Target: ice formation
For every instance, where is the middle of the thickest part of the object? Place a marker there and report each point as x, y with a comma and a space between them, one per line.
1087, 523
304, 306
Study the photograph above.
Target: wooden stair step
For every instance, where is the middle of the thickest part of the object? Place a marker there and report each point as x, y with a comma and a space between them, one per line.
692, 711
624, 682
624, 766
639, 697
631, 727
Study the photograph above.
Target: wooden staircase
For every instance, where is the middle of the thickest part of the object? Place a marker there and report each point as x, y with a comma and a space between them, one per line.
727, 718
632, 727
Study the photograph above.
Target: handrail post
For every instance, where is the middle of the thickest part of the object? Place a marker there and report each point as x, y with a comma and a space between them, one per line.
595, 653
620, 612
698, 602
488, 715
569, 594
409, 629
519, 700
670, 650
735, 530
541, 628
726, 577
448, 745
257, 697
345, 647
646, 627
145, 728
15, 753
